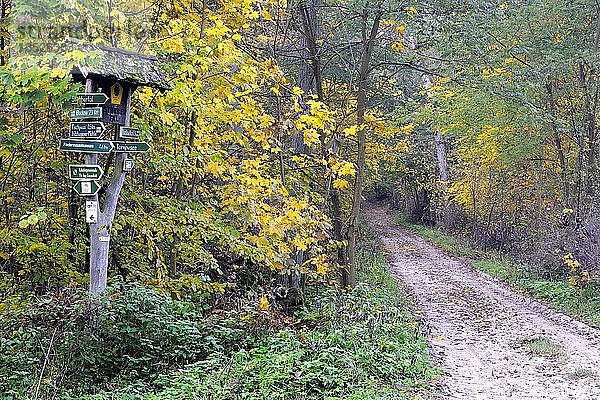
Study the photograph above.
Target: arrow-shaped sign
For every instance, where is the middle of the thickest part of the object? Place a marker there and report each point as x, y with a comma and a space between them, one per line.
131, 147
127, 132
86, 113
90, 98
86, 146
84, 130
86, 188
85, 172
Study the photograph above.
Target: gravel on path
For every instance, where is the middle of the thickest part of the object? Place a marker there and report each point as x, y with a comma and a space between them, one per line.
482, 333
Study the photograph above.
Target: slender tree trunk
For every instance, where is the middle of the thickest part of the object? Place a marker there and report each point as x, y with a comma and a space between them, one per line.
309, 76
4, 13
441, 153
309, 80
577, 133
562, 161
596, 45
368, 37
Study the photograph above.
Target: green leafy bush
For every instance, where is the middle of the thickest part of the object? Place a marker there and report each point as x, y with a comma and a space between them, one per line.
361, 344
77, 345
136, 343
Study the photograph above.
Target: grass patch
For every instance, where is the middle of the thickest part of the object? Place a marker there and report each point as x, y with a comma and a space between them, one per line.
581, 373
581, 303
451, 243
542, 346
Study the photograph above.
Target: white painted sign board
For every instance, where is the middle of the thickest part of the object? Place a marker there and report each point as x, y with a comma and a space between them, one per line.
91, 211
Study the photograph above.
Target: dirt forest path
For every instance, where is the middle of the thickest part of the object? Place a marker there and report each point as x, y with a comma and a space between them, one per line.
478, 328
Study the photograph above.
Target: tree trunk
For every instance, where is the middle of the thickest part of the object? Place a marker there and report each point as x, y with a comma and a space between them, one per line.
448, 212
309, 76
4, 13
562, 162
309, 80
368, 38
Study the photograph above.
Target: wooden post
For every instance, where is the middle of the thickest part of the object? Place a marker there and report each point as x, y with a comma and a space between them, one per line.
97, 279
100, 231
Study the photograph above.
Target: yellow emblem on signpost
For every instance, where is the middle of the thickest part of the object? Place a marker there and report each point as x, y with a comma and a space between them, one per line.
116, 93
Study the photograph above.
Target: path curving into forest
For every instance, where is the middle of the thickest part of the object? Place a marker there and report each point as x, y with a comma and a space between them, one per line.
479, 329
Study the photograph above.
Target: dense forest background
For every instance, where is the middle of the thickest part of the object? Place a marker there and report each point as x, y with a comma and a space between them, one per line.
480, 117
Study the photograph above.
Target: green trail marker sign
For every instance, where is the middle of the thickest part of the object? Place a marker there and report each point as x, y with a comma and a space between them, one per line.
131, 147
86, 188
90, 98
83, 130
84, 172
86, 113
86, 146
126, 132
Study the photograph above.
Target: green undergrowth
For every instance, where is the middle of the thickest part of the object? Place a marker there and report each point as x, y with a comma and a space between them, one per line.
581, 303
139, 344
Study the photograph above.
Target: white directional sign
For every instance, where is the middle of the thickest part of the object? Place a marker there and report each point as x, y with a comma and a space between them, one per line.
86, 130
86, 146
86, 113
91, 211
127, 132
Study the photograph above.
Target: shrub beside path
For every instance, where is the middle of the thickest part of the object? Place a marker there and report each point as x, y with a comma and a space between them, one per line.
492, 342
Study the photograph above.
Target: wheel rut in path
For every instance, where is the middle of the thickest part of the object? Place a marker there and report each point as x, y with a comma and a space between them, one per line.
478, 328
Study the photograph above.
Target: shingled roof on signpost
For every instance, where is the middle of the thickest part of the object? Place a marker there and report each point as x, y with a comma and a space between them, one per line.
118, 64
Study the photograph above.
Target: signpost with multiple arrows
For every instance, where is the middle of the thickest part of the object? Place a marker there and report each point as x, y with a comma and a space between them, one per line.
83, 133
87, 126
100, 132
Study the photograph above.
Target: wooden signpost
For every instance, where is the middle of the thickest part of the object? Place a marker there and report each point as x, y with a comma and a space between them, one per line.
106, 100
